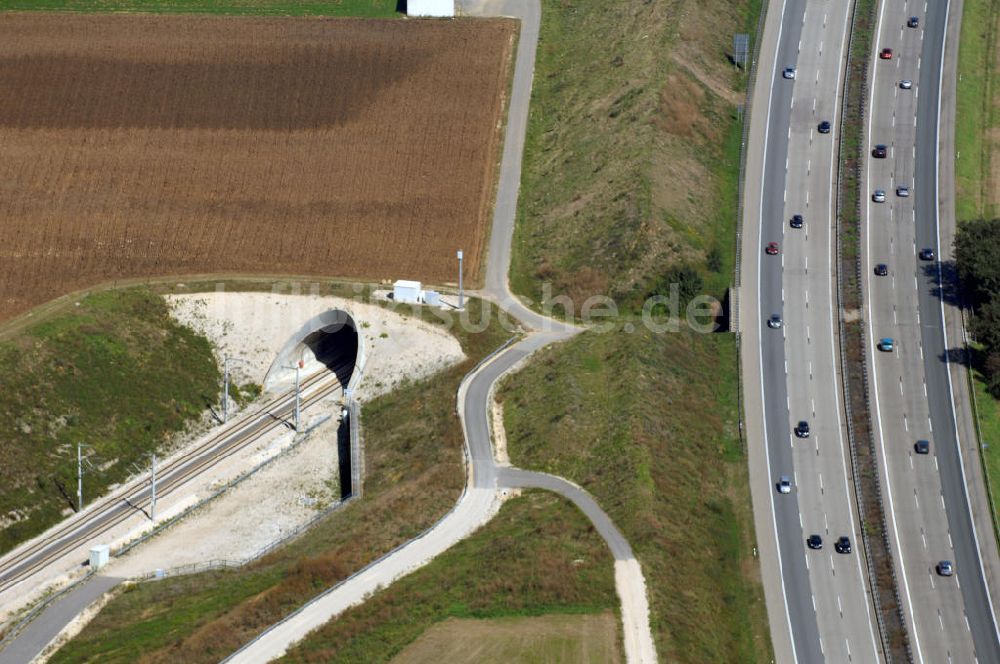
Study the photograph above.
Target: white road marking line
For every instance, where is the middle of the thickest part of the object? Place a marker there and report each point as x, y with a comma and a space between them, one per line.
840, 607
906, 424
942, 508
923, 537
925, 389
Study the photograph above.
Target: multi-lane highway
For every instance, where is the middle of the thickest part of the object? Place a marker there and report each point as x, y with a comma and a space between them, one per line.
950, 619
825, 600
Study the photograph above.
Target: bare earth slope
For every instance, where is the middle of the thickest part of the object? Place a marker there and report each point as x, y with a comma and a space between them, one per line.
135, 146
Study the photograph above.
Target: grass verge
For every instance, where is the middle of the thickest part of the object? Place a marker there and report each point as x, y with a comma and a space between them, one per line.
361, 8
539, 555
987, 413
632, 150
977, 118
116, 373
413, 442
648, 424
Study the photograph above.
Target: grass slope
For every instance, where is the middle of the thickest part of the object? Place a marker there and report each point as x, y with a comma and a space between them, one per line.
632, 151
977, 145
363, 8
539, 555
648, 424
977, 118
115, 373
415, 474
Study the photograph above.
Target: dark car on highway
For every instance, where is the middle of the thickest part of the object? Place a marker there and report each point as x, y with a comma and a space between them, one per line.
913, 22
880, 151
927, 254
802, 429
824, 127
843, 544
814, 542
881, 270
922, 447
796, 221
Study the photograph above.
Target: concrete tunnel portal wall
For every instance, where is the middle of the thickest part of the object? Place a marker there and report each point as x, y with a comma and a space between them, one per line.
327, 342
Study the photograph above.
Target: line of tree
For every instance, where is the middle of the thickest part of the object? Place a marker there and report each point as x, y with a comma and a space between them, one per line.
977, 257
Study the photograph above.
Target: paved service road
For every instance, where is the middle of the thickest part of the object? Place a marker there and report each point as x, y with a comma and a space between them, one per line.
949, 619
826, 604
480, 500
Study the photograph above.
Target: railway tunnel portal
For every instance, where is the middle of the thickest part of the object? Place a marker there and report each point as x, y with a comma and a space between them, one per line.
326, 342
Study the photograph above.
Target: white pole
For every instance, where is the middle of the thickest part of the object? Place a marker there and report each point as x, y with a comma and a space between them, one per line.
225, 390
152, 506
79, 479
461, 295
296, 397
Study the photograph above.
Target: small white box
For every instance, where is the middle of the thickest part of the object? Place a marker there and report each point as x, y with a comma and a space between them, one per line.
99, 556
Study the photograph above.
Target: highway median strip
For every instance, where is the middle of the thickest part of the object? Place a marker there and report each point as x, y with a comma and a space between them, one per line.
878, 553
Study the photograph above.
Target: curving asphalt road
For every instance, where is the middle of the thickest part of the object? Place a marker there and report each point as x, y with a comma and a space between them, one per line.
479, 502
950, 619
823, 609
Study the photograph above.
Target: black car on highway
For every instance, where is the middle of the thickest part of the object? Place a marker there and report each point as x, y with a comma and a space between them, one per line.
796, 221
814, 542
881, 270
802, 429
922, 447
927, 254
843, 544
824, 127
880, 151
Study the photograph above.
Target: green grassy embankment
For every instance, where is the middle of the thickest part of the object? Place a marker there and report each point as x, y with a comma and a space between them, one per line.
632, 151
415, 474
977, 176
115, 373
539, 555
361, 8
977, 116
648, 424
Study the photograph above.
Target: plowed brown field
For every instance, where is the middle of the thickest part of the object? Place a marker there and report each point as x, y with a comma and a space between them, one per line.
141, 146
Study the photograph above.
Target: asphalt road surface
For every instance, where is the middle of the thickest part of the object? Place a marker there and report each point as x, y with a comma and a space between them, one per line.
479, 502
824, 597
949, 619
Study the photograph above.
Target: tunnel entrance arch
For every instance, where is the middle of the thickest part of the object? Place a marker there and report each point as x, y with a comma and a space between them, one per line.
327, 342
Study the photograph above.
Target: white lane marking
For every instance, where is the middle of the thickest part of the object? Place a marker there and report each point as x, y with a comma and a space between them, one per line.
760, 355
944, 332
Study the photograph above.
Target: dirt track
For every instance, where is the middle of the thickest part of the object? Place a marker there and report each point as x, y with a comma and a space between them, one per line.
135, 146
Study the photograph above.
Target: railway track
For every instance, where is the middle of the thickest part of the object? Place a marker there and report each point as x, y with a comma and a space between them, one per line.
113, 510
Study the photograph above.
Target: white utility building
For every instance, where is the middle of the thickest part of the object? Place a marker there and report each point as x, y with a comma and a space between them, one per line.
440, 8
406, 291
99, 555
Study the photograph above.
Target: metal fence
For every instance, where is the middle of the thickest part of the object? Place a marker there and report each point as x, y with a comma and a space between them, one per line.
735, 291
219, 563
377, 561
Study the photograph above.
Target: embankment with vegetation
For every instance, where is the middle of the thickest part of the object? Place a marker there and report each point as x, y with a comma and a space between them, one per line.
112, 371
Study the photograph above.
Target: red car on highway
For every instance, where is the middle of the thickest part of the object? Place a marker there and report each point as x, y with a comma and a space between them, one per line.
886, 54
771, 249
